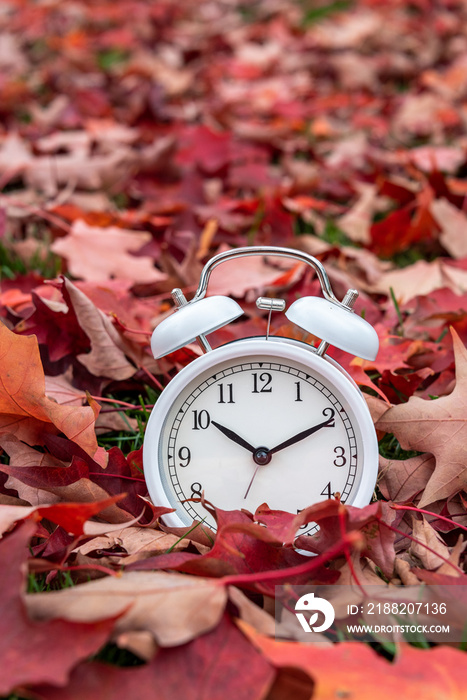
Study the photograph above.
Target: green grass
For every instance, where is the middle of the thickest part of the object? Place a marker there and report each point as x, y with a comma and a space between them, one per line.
333, 234
390, 448
37, 582
112, 654
131, 439
11, 264
317, 13
106, 60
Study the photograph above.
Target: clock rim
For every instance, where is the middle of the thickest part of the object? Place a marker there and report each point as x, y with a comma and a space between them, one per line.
277, 347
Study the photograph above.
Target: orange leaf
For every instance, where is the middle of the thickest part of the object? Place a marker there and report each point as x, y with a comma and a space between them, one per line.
354, 671
25, 410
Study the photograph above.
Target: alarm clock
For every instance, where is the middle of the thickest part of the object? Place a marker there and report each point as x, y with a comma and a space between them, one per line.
261, 420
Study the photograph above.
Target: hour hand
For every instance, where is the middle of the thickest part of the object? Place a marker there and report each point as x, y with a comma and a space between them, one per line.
233, 436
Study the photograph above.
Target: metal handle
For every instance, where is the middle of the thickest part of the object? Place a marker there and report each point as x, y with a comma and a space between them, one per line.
272, 251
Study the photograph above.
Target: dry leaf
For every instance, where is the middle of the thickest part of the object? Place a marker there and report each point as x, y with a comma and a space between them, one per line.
97, 254
25, 409
175, 608
439, 427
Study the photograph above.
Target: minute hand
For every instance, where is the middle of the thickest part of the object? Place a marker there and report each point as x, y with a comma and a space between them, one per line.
329, 423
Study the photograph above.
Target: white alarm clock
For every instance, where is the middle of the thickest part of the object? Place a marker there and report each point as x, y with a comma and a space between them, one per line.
261, 420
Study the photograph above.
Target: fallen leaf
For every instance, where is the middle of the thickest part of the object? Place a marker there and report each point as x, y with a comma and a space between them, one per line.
357, 222
60, 390
25, 409
32, 651
136, 542
56, 326
427, 539
356, 672
143, 601
107, 357
202, 668
453, 224
402, 480
420, 279
111, 253
254, 275
438, 427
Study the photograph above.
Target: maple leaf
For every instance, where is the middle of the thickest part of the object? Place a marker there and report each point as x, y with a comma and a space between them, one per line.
111, 248
240, 547
107, 356
421, 278
255, 275
55, 326
42, 479
207, 667
453, 223
32, 651
438, 427
174, 608
401, 480
25, 410
355, 671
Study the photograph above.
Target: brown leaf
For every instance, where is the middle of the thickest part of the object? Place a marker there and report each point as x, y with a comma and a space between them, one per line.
255, 616
10, 514
72, 517
456, 553
174, 608
97, 254
439, 427
137, 542
401, 480
453, 223
107, 357
426, 537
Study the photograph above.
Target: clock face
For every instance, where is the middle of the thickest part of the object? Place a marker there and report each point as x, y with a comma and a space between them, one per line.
281, 426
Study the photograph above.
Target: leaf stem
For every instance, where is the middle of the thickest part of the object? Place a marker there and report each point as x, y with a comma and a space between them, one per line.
422, 544
396, 506
341, 516
152, 377
281, 574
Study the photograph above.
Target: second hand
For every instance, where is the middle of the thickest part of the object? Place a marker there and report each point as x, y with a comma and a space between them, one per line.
251, 482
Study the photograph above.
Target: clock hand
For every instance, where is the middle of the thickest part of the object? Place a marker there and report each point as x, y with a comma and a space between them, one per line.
233, 436
329, 423
251, 482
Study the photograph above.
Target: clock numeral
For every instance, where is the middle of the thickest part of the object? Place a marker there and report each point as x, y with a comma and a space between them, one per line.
340, 460
184, 455
327, 491
196, 490
201, 419
302, 527
229, 392
266, 380
329, 413
298, 396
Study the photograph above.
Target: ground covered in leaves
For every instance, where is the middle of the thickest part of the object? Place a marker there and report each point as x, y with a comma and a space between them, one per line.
138, 139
